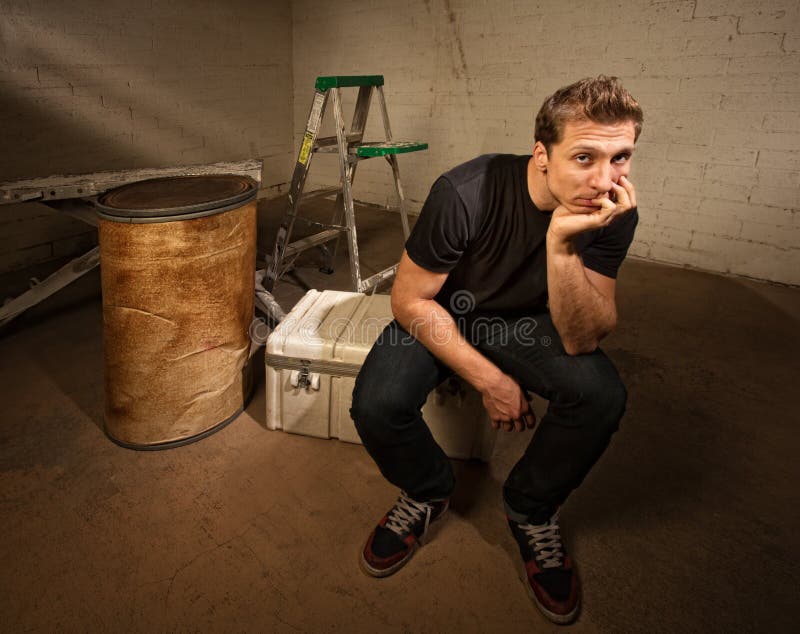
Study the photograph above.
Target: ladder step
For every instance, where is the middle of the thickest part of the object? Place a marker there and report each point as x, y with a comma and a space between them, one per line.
320, 193
297, 247
332, 141
347, 81
382, 148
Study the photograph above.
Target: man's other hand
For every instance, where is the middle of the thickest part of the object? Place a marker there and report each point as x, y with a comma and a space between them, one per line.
507, 406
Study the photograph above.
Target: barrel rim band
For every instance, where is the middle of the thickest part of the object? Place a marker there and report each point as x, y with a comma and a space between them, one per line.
180, 442
183, 210
251, 196
171, 444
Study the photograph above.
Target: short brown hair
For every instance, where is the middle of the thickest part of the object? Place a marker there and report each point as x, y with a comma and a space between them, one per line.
602, 100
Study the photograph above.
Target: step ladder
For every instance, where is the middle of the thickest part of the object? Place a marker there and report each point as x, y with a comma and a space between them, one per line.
351, 149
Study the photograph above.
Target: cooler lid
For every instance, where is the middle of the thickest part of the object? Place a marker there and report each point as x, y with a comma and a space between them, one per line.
176, 197
367, 322
331, 326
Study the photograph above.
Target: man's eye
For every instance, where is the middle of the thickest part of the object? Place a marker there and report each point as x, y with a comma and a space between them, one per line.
621, 158
582, 158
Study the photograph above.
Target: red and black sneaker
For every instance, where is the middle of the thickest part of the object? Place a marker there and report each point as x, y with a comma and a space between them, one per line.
398, 535
552, 579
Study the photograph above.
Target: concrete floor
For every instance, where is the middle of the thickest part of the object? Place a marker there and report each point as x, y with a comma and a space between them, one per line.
689, 523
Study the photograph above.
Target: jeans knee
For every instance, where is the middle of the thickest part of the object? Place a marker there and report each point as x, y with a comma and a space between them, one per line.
378, 413
362, 408
592, 400
607, 400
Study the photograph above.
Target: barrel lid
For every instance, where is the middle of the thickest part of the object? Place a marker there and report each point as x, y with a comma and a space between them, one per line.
162, 199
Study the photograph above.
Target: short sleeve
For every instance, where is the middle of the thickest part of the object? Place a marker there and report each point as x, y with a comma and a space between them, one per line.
441, 234
606, 252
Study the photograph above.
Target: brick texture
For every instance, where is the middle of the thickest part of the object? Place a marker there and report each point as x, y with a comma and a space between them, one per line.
718, 166
93, 85
114, 85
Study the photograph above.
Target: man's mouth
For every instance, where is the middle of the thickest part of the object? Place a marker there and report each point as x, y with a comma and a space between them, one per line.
586, 201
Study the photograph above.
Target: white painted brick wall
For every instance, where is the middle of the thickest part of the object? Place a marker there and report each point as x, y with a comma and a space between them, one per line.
102, 85
718, 165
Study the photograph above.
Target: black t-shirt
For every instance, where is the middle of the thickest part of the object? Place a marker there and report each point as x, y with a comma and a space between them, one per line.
480, 225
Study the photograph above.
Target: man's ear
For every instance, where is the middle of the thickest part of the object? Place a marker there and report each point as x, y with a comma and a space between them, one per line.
540, 158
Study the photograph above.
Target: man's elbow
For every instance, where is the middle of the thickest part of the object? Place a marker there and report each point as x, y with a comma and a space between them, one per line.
574, 347
398, 308
404, 309
586, 345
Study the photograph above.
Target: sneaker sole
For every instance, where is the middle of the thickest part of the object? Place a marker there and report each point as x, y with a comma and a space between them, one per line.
558, 619
385, 572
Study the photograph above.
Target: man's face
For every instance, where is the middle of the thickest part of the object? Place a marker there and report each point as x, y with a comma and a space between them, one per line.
589, 157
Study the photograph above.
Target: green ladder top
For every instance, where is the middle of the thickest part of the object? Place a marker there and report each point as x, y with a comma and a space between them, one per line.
348, 81
383, 148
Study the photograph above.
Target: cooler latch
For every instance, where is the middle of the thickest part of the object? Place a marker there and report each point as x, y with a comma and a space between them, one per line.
304, 379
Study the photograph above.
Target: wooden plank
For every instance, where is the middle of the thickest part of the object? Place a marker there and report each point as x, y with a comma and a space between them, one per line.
58, 280
62, 187
76, 208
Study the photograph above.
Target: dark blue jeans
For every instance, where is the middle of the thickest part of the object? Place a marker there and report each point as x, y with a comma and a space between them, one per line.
587, 400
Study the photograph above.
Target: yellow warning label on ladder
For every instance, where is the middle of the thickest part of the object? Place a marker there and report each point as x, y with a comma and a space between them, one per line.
305, 150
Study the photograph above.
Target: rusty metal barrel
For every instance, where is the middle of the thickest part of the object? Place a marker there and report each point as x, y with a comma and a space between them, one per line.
177, 260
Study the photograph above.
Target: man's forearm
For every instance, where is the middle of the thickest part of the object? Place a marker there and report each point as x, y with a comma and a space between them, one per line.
581, 314
436, 329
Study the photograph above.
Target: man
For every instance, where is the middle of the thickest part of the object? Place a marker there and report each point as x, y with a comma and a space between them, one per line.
534, 244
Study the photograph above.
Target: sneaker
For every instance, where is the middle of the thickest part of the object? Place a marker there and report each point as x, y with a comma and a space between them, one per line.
552, 580
398, 535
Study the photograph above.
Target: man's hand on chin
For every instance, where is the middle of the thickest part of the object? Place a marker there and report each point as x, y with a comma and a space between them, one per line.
565, 224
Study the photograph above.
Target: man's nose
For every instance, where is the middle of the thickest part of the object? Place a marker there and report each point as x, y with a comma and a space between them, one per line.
602, 178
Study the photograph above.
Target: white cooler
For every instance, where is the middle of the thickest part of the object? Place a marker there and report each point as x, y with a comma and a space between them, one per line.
314, 355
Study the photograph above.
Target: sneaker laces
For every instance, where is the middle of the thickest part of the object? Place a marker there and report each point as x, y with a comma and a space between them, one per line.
545, 539
405, 512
